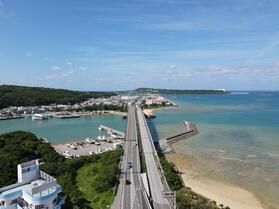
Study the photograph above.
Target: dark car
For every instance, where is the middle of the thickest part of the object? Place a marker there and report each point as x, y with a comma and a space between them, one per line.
129, 164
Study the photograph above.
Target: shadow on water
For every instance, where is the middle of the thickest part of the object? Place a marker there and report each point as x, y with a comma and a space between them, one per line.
154, 133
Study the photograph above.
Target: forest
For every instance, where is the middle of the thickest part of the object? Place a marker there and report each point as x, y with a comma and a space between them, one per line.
11, 95
87, 182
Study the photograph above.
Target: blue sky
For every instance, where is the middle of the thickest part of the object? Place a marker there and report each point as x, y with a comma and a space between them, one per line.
125, 44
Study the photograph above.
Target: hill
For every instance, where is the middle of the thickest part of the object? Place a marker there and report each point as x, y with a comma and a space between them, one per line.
11, 95
176, 91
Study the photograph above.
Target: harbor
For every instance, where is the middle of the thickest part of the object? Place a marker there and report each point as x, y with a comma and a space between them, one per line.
58, 131
92, 146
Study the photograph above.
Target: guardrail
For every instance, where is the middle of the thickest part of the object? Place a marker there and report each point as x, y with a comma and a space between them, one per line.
164, 180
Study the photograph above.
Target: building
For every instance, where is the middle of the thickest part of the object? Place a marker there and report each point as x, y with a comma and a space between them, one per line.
35, 189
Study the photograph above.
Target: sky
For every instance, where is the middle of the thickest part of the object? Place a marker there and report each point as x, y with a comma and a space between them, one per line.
126, 44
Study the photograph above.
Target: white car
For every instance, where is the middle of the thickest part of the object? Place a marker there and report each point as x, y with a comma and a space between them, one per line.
67, 154
73, 146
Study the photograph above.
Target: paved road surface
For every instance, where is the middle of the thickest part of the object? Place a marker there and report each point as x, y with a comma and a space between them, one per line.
153, 173
131, 195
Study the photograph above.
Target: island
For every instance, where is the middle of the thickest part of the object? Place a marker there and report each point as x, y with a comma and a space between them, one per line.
176, 91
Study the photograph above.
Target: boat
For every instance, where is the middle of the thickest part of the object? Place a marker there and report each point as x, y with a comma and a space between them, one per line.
88, 140
114, 136
73, 146
39, 117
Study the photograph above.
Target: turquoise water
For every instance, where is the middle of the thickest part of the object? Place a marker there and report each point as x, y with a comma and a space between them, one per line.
62, 130
238, 140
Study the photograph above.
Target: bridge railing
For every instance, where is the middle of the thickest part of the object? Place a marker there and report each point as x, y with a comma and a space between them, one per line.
163, 177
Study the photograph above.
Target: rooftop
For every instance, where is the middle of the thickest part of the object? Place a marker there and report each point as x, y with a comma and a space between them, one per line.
43, 184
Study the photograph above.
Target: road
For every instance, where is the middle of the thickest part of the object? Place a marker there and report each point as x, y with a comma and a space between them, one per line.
153, 171
131, 193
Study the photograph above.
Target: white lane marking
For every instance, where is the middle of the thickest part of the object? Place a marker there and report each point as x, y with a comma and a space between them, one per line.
132, 194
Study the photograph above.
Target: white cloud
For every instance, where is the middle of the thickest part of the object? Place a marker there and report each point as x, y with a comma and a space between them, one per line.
56, 68
28, 54
267, 49
49, 59
172, 66
67, 73
69, 63
226, 72
83, 68
7, 14
59, 76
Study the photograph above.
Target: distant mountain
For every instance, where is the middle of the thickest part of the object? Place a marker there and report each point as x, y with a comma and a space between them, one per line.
176, 91
11, 95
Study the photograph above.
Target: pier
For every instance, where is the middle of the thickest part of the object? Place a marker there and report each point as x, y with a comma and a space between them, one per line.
113, 131
191, 130
11, 118
66, 116
123, 114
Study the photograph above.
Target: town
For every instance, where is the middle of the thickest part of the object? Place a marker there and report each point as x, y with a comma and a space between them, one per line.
114, 104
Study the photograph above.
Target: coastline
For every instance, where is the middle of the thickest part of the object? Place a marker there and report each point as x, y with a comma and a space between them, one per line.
222, 192
152, 111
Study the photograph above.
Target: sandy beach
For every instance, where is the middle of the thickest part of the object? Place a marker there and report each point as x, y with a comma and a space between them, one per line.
149, 111
223, 193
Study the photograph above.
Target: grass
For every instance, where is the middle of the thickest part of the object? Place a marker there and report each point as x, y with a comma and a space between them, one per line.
92, 178
86, 179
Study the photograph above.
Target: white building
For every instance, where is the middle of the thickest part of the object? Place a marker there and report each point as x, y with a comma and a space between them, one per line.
148, 101
35, 189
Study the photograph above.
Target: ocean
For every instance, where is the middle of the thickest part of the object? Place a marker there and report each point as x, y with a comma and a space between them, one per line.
238, 141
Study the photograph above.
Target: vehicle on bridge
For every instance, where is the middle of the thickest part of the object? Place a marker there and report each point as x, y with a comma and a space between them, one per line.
129, 164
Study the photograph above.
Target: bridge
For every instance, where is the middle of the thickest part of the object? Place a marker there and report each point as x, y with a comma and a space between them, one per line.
137, 190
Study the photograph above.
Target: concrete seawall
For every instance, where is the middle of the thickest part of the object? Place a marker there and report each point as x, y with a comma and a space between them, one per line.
191, 130
113, 131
